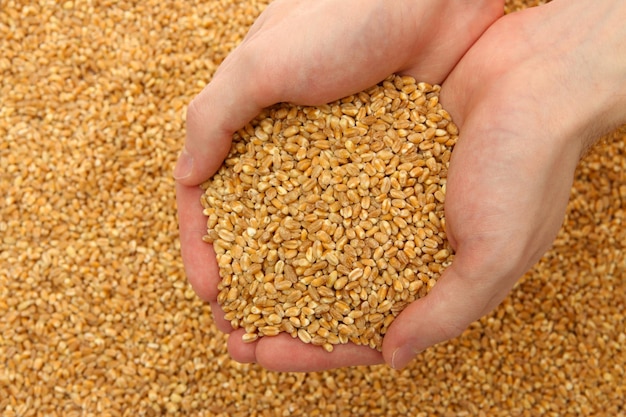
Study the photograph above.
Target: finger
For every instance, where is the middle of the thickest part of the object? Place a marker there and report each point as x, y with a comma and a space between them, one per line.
284, 353
479, 226
489, 232
198, 256
221, 323
240, 351
233, 98
458, 299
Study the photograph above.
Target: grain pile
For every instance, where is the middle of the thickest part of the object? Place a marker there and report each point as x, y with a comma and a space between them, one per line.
515, 5
96, 317
327, 221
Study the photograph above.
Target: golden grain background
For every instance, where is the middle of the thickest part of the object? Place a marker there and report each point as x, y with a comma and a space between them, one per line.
96, 316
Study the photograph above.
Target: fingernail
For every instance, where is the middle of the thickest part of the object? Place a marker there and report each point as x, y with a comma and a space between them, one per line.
402, 356
184, 165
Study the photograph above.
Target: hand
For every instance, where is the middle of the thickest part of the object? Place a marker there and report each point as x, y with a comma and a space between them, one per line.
530, 96
309, 53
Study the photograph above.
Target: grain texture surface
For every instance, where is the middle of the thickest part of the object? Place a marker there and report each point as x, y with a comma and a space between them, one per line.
337, 210
96, 317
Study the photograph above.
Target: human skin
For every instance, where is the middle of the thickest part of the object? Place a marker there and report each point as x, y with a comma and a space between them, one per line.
309, 53
525, 115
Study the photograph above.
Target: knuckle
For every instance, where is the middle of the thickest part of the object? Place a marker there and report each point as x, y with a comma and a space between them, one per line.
193, 110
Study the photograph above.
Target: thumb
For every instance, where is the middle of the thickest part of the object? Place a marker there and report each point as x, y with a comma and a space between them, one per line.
225, 105
457, 300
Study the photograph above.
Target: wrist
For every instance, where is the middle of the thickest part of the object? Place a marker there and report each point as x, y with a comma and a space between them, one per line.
589, 45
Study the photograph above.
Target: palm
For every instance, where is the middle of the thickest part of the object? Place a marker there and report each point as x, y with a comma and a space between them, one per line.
524, 119
311, 68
